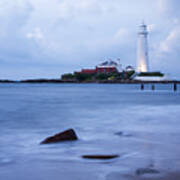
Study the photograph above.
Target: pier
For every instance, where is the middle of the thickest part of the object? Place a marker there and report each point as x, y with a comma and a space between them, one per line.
152, 85
174, 85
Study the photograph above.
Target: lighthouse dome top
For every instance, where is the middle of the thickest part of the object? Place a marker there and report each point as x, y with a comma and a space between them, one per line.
143, 28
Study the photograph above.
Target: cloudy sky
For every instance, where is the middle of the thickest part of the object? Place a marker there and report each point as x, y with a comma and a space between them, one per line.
45, 38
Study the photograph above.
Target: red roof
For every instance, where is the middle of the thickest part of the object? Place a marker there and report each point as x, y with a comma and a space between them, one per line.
106, 69
98, 70
88, 71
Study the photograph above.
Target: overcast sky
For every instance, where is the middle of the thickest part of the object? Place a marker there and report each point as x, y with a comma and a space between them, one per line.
45, 38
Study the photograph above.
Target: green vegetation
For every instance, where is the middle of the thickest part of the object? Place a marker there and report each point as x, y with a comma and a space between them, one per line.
130, 73
85, 77
151, 74
103, 76
68, 76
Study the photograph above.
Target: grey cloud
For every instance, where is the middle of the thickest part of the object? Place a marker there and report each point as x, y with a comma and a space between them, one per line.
13, 18
72, 34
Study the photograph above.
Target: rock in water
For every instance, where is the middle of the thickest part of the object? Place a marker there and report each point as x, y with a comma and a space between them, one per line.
104, 157
68, 135
119, 133
123, 134
142, 171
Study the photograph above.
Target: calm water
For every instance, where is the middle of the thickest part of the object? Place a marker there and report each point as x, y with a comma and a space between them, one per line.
29, 113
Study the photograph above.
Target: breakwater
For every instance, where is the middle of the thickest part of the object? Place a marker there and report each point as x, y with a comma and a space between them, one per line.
97, 81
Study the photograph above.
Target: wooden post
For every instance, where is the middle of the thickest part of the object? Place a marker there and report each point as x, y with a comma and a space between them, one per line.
175, 86
142, 86
153, 87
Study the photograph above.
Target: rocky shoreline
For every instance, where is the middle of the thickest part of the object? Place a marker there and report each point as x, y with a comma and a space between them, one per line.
149, 172
97, 82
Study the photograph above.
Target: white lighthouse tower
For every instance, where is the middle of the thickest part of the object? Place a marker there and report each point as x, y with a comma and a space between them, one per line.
142, 51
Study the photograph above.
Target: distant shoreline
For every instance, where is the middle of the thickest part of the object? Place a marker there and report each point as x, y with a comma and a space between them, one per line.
58, 81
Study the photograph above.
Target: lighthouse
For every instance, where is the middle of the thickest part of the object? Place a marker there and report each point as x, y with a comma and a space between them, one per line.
142, 51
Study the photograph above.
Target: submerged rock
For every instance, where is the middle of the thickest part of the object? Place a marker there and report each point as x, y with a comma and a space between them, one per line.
68, 135
142, 171
120, 133
104, 157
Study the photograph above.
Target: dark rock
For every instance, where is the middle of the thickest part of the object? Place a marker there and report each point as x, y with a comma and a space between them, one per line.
104, 157
123, 134
142, 171
68, 135
41, 81
119, 133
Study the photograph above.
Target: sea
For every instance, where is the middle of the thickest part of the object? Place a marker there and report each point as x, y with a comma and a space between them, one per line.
141, 126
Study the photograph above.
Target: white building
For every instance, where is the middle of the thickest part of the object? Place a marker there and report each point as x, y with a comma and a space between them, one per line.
129, 69
142, 51
143, 58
